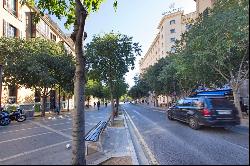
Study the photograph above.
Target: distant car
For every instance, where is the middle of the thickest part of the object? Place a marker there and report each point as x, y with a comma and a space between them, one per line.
205, 111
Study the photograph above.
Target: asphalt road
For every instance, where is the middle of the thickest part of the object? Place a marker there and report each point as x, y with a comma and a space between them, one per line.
173, 142
42, 141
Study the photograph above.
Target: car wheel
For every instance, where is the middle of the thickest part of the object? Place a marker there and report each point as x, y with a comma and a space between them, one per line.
193, 123
170, 116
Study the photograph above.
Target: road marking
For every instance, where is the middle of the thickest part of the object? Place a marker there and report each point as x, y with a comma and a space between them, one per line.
25, 137
13, 125
151, 156
11, 131
237, 145
33, 135
179, 140
32, 151
58, 124
66, 129
131, 145
55, 131
17, 130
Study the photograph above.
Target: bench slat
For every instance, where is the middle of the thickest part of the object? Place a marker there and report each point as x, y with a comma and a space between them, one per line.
94, 133
92, 130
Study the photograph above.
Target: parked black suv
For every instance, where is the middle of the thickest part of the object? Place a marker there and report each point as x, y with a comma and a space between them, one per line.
206, 111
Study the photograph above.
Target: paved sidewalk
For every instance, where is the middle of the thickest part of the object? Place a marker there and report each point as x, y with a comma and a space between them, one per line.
116, 143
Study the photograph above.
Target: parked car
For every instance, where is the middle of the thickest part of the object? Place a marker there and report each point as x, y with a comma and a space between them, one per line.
205, 111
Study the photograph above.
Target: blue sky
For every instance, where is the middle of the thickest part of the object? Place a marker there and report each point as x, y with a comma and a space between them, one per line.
136, 18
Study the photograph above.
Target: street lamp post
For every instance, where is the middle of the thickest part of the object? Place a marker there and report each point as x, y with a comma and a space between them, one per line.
1, 67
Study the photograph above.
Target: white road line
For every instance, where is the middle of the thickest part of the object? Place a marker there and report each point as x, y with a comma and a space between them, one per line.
25, 137
11, 131
179, 140
58, 124
32, 151
66, 129
131, 145
152, 159
237, 145
13, 125
33, 136
55, 131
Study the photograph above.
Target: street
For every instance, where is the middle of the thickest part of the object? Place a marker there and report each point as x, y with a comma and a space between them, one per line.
42, 141
174, 142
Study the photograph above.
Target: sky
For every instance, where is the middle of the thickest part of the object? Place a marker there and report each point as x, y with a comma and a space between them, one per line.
136, 18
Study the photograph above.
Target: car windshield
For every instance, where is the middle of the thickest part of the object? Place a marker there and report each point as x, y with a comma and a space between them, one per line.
221, 103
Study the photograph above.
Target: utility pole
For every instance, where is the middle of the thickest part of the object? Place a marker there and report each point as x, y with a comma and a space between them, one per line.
1, 71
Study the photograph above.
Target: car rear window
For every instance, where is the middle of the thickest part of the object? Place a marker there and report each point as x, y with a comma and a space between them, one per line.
221, 103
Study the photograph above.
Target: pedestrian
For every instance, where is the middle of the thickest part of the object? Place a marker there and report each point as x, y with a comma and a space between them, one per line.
98, 104
106, 104
94, 104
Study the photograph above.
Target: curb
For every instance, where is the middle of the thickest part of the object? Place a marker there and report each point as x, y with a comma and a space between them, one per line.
151, 158
131, 146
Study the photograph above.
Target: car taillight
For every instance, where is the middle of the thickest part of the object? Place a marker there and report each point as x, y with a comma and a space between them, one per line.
206, 112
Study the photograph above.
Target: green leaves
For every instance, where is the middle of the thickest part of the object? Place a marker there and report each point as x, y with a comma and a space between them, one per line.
35, 63
216, 45
65, 8
110, 56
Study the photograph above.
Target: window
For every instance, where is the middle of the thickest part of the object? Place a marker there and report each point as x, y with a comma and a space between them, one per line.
172, 22
11, 6
221, 103
9, 30
52, 36
205, 12
43, 28
173, 49
180, 102
188, 103
172, 39
188, 26
198, 103
172, 30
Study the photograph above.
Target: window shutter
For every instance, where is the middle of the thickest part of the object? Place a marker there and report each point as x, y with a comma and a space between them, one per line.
17, 33
5, 28
5, 4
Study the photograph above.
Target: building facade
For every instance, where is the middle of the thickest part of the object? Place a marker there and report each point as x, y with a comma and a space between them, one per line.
171, 27
17, 20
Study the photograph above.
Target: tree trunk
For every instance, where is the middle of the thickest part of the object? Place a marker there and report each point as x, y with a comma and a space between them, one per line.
117, 105
112, 103
156, 101
78, 129
236, 101
44, 100
117, 102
